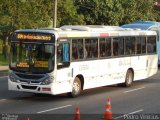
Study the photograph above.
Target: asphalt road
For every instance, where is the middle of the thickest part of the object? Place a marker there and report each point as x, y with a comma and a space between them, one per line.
140, 101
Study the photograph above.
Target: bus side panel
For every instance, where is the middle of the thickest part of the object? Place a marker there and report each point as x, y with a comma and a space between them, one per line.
152, 65
101, 72
144, 66
139, 64
64, 80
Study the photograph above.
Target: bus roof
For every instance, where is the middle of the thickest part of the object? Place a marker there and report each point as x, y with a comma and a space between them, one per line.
92, 28
139, 26
89, 31
147, 22
143, 25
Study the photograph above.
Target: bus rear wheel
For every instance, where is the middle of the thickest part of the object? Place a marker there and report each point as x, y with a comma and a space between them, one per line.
76, 88
129, 78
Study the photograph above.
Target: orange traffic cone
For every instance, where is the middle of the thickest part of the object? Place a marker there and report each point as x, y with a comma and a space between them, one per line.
108, 112
27, 118
77, 114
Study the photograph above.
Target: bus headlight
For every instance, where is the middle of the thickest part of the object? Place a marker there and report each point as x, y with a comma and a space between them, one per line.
47, 81
13, 79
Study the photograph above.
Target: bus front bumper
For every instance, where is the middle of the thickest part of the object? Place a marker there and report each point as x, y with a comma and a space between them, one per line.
53, 88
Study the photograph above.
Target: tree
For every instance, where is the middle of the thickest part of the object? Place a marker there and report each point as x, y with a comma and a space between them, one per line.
115, 12
137, 10
102, 12
157, 9
67, 14
19, 14
7, 21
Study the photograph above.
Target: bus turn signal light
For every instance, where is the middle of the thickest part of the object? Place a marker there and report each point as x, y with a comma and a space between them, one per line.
46, 89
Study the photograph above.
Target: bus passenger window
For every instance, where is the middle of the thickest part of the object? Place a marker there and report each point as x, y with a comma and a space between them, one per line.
143, 41
115, 47
108, 47
151, 45
121, 46
105, 47
138, 45
133, 42
128, 49
91, 46
74, 53
102, 47
77, 49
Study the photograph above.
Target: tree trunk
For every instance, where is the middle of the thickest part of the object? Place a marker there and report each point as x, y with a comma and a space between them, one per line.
4, 45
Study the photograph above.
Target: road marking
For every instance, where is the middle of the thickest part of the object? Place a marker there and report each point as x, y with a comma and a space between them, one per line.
134, 90
125, 115
54, 109
2, 100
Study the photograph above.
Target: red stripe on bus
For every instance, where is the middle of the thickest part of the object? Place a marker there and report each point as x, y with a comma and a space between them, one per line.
104, 34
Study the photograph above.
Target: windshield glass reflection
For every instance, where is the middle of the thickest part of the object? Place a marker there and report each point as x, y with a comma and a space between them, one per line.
29, 57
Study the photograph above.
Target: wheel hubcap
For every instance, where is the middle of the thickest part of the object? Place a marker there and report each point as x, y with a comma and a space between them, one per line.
76, 88
129, 78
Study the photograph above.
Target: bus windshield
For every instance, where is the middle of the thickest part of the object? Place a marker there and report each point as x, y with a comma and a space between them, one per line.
32, 57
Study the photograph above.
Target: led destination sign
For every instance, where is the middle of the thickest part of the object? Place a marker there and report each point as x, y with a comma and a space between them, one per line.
29, 36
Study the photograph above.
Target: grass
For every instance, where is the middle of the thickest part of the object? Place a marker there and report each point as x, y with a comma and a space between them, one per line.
3, 61
4, 71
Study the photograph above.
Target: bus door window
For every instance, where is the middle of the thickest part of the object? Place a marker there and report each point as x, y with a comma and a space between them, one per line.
63, 55
59, 53
66, 52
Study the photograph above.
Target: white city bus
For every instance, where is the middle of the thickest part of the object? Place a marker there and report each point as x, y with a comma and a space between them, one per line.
70, 59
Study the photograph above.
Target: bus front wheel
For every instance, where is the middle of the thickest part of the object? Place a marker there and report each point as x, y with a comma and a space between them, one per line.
76, 88
129, 78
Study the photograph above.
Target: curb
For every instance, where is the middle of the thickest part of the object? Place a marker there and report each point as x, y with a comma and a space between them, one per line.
2, 68
3, 71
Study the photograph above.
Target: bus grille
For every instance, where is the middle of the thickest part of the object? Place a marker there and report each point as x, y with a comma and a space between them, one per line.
29, 87
26, 81
25, 76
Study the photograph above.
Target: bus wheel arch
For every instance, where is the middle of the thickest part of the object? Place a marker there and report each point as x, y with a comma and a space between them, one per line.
82, 80
129, 77
77, 86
